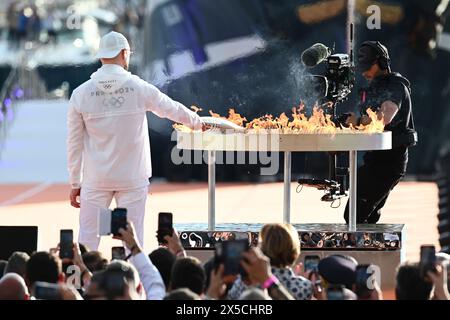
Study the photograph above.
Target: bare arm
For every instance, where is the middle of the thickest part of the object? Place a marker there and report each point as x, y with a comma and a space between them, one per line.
388, 110
150, 277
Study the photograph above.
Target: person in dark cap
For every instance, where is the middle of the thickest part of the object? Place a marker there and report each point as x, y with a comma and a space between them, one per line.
389, 95
339, 270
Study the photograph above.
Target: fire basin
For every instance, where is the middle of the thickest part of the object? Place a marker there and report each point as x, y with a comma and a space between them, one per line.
351, 141
273, 141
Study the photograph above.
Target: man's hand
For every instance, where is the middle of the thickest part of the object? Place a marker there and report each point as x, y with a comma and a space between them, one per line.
128, 237
174, 244
77, 259
217, 285
56, 251
352, 119
259, 271
74, 193
257, 266
316, 281
439, 279
365, 120
313, 276
205, 127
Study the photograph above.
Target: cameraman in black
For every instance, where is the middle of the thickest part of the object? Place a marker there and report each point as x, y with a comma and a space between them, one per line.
389, 94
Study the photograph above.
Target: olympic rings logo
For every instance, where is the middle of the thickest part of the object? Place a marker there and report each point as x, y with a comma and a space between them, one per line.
114, 102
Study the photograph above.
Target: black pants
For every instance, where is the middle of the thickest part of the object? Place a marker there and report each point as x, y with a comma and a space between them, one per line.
380, 173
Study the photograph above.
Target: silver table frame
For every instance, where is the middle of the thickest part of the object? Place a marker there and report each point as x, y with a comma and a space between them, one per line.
287, 188
286, 143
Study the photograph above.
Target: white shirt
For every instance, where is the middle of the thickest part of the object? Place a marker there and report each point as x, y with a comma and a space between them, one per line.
150, 277
108, 145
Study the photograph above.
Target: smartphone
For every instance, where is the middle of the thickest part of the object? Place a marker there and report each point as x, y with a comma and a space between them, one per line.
335, 292
165, 226
66, 244
230, 254
312, 264
118, 221
118, 253
46, 291
104, 222
427, 260
362, 281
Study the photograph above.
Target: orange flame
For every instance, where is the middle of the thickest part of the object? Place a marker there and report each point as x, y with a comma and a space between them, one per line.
317, 123
236, 118
376, 123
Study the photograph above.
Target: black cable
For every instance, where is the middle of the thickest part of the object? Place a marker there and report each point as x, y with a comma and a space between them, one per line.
336, 207
301, 185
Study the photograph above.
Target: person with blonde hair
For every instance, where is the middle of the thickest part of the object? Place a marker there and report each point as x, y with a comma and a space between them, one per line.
281, 244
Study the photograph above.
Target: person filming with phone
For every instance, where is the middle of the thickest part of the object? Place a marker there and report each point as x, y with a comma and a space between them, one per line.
281, 244
108, 146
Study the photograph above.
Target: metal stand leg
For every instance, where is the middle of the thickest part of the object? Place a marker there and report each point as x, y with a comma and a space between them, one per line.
353, 189
211, 190
287, 187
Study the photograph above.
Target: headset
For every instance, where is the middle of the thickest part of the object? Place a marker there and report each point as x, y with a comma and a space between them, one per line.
383, 59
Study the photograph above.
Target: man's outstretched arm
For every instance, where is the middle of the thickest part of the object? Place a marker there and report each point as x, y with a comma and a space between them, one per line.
164, 107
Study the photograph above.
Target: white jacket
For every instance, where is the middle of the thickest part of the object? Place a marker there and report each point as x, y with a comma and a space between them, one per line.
108, 142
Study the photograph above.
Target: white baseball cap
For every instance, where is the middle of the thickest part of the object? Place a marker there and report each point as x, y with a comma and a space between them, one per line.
111, 44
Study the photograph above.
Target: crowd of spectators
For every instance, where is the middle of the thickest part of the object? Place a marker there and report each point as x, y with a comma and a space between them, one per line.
26, 21
270, 271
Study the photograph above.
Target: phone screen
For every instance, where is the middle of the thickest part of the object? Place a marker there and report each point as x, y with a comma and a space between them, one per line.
312, 263
335, 293
118, 253
46, 291
427, 259
232, 255
66, 244
118, 220
165, 226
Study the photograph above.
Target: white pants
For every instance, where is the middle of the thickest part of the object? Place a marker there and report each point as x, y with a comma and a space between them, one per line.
93, 200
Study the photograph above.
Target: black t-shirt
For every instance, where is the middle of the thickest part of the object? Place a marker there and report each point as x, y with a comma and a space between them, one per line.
395, 88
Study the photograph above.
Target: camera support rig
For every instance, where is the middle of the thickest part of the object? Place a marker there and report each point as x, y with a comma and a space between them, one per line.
337, 84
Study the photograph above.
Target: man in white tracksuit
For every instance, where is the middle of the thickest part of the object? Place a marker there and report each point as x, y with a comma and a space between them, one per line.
108, 144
